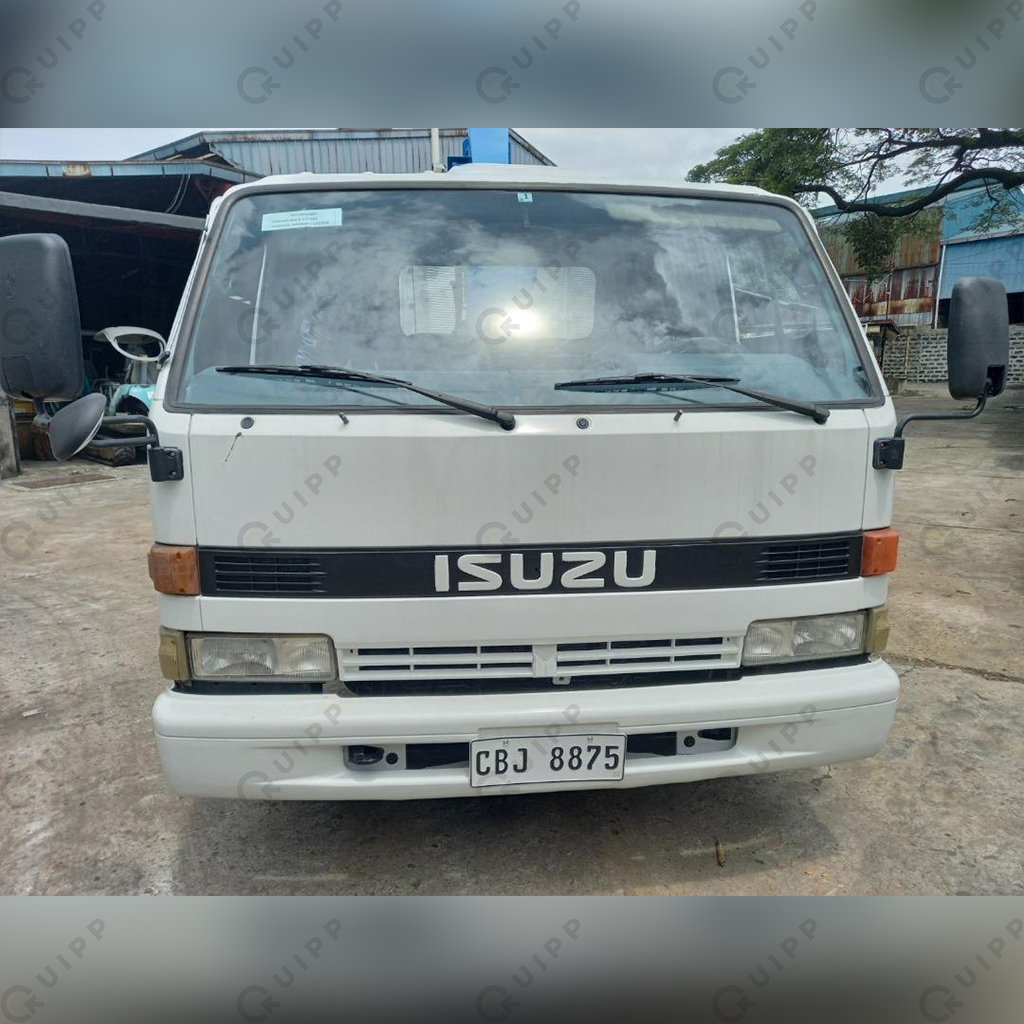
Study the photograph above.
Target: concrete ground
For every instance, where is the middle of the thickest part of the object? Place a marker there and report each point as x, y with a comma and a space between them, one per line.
940, 810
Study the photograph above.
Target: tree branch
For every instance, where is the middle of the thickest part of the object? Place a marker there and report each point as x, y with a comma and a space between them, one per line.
1008, 179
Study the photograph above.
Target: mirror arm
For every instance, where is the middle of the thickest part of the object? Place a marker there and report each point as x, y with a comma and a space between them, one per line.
165, 464
976, 411
888, 451
152, 439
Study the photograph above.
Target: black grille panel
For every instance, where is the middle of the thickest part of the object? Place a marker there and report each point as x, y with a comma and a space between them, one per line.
806, 560
270, 572
706, 564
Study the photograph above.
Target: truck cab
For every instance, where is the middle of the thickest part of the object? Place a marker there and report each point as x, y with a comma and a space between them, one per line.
513, 479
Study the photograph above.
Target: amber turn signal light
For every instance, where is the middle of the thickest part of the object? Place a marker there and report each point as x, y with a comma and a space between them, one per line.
174, 570
878, 554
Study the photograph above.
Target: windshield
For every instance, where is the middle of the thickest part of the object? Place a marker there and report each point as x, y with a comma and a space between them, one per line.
497, 295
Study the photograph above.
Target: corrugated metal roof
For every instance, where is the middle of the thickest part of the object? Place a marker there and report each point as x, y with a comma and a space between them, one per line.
118, 169
1001, 258
341, 151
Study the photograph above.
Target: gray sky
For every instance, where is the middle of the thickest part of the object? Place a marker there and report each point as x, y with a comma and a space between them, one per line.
646, 152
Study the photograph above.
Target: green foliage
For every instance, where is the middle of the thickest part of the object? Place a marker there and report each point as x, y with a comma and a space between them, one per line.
848, 165
778, 159
873, 240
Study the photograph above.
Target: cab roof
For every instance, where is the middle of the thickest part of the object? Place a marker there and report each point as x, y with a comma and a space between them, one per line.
476, 175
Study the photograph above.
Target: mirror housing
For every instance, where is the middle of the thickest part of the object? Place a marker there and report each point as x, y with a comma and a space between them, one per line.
40, 330
73, 427
978, 343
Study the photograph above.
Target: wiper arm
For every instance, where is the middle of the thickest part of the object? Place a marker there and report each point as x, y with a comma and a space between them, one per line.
818, 413
502, 417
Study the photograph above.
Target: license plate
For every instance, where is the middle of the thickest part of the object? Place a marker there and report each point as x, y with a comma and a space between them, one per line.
523, 760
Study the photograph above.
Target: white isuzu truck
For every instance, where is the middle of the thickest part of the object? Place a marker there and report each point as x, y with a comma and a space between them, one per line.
507, 480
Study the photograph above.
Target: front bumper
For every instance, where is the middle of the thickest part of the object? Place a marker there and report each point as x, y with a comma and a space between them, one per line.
292, 747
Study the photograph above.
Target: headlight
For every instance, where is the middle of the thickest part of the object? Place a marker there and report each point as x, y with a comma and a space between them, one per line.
300, 659
818, 636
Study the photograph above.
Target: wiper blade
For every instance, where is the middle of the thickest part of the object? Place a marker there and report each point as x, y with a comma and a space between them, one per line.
502, 417
818, 413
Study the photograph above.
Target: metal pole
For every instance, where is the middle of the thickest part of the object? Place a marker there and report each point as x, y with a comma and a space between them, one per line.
435, 151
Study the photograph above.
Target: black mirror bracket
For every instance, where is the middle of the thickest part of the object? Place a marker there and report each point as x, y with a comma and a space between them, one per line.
165, 464
888, 452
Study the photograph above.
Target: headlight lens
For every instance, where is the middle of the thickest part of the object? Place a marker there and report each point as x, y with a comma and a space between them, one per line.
306, 659
818, 636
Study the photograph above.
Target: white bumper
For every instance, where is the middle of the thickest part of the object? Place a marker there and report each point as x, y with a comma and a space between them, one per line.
292, 747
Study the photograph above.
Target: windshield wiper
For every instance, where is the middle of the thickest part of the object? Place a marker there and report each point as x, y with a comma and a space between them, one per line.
639, 381
502, 417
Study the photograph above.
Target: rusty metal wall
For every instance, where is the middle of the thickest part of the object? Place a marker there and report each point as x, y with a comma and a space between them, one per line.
920, 244
905, 296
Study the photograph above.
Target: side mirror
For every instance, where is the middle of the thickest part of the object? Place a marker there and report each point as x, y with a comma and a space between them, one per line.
73, 427
978, 345
40, 331
135, 343
77, 425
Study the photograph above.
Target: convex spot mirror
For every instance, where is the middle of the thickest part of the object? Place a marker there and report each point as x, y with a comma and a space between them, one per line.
40, 331
74, 426
978, 343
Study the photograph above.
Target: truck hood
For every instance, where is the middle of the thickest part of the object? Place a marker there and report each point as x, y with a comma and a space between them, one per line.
387, 481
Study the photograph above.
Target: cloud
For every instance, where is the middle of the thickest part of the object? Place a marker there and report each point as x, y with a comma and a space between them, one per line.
638, 152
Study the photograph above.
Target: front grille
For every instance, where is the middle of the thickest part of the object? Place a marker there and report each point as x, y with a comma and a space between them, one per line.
616, 656
516, 667
495, 661
267, 572
824, 559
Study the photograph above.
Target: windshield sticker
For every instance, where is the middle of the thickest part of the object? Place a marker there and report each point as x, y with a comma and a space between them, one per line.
525, 197
299, 219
